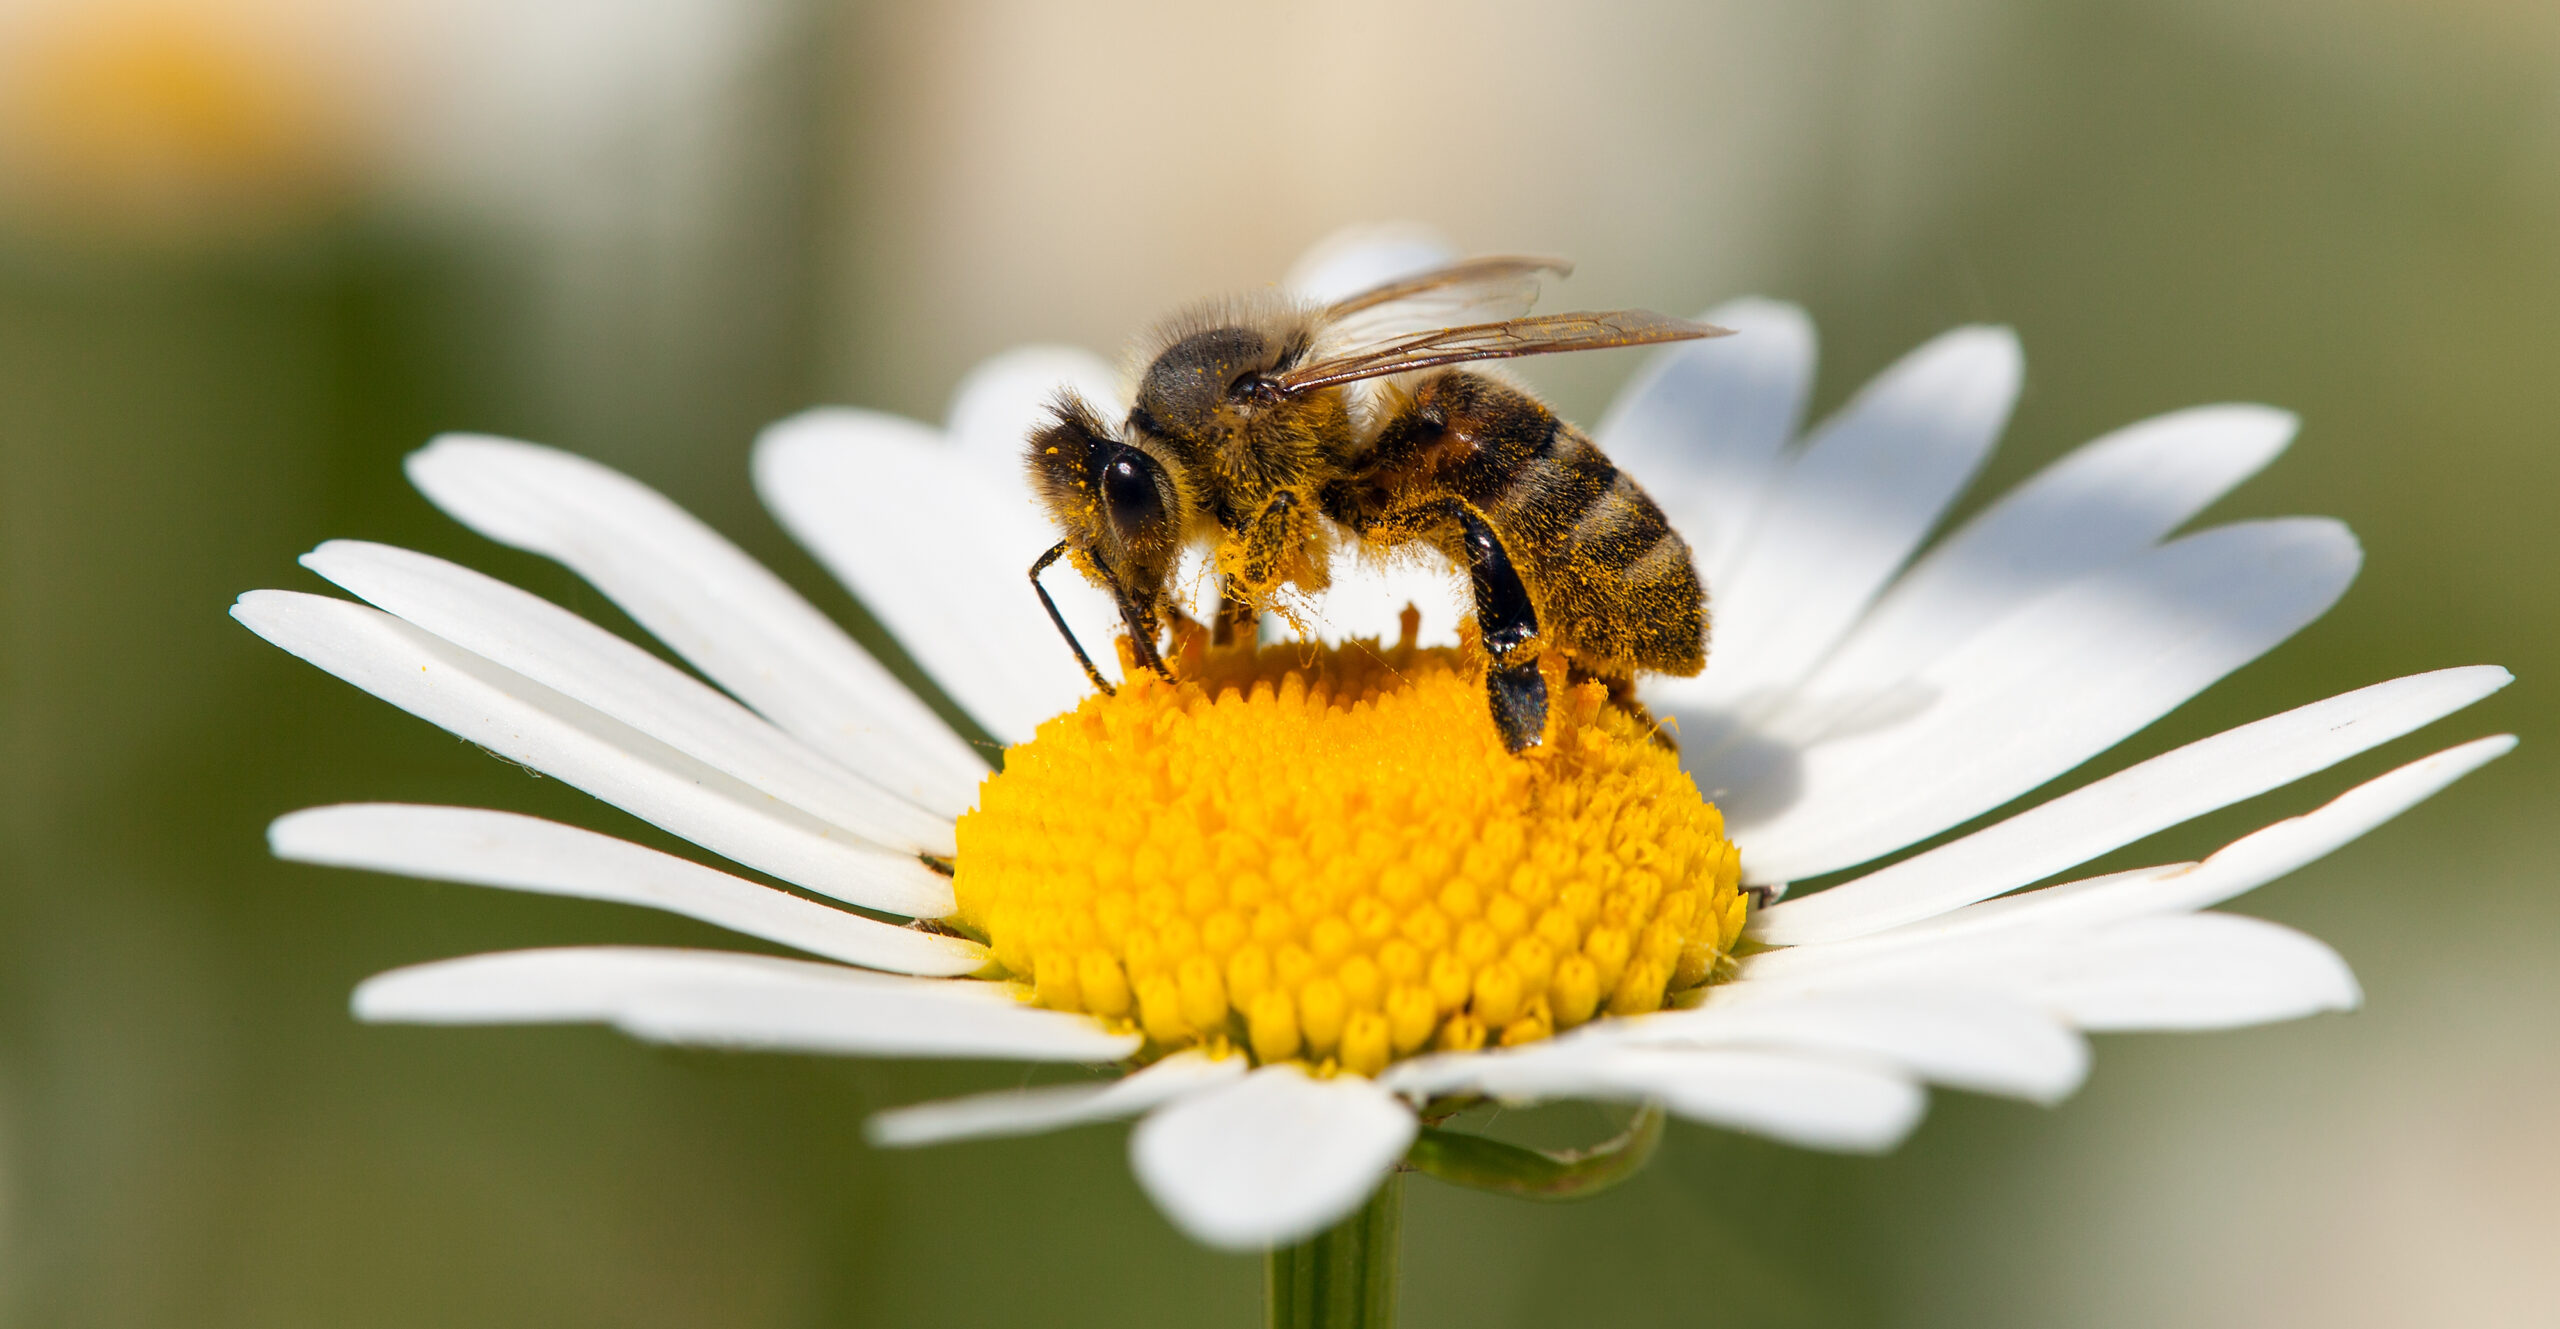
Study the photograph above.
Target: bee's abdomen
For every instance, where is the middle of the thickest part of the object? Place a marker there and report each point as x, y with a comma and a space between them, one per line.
1611, 581
1614, 583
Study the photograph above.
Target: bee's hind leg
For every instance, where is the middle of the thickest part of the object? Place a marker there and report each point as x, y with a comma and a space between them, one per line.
1514, 689
1517, 693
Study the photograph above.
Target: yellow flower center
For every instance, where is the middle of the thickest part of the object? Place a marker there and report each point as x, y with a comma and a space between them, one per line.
1326, 854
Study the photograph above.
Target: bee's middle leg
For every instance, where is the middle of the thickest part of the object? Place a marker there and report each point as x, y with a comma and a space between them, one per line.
1235, 621
1275, 549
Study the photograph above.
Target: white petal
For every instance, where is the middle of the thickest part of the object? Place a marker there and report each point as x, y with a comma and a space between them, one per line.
488, 848
2254, 860
1916, 943
2183, 971
1273, 1158
1704, 425
1032, 1111
526, 722
2124, 807
2197, 971
726, 999
1815, 1104
1358, 258
2104, 503
1968, 1040
2241, 866
1849, 510
939, 553
709, 602
996, 407
569, 655
2048, 688
1804, 1099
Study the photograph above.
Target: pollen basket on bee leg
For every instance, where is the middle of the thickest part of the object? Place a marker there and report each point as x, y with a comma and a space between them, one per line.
1326, 854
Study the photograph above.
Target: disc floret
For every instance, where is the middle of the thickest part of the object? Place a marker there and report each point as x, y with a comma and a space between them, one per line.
1325, 854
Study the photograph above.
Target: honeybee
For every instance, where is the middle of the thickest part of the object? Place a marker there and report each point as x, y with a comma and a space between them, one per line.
1244, 437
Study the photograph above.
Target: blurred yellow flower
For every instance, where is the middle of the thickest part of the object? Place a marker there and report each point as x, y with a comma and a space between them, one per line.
171, 116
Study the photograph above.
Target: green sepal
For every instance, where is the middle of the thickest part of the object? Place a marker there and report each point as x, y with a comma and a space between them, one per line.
1480, 1164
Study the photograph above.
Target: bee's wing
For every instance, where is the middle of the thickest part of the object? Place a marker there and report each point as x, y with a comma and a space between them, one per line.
1475, 290
1544, 334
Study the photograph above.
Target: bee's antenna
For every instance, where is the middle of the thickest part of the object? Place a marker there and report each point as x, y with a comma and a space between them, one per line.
1042, 565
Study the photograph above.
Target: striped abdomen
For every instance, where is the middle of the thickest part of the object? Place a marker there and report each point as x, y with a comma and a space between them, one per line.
1612, 583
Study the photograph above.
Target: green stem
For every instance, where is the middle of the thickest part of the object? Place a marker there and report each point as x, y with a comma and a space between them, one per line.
1345, 1277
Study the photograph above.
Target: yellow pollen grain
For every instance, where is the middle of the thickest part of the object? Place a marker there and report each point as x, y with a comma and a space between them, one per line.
1326, 854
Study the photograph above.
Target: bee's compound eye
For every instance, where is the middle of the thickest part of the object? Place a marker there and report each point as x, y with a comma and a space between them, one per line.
1129, 489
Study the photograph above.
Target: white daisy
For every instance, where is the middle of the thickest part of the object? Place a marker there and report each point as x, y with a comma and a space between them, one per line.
1291, 979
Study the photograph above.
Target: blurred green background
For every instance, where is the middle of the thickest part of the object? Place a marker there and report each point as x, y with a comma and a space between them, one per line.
253, 251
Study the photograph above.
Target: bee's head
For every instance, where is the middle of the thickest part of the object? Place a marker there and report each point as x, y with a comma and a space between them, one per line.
1120, 502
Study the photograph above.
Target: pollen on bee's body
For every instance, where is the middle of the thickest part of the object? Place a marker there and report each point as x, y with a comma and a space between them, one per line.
1325, 854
